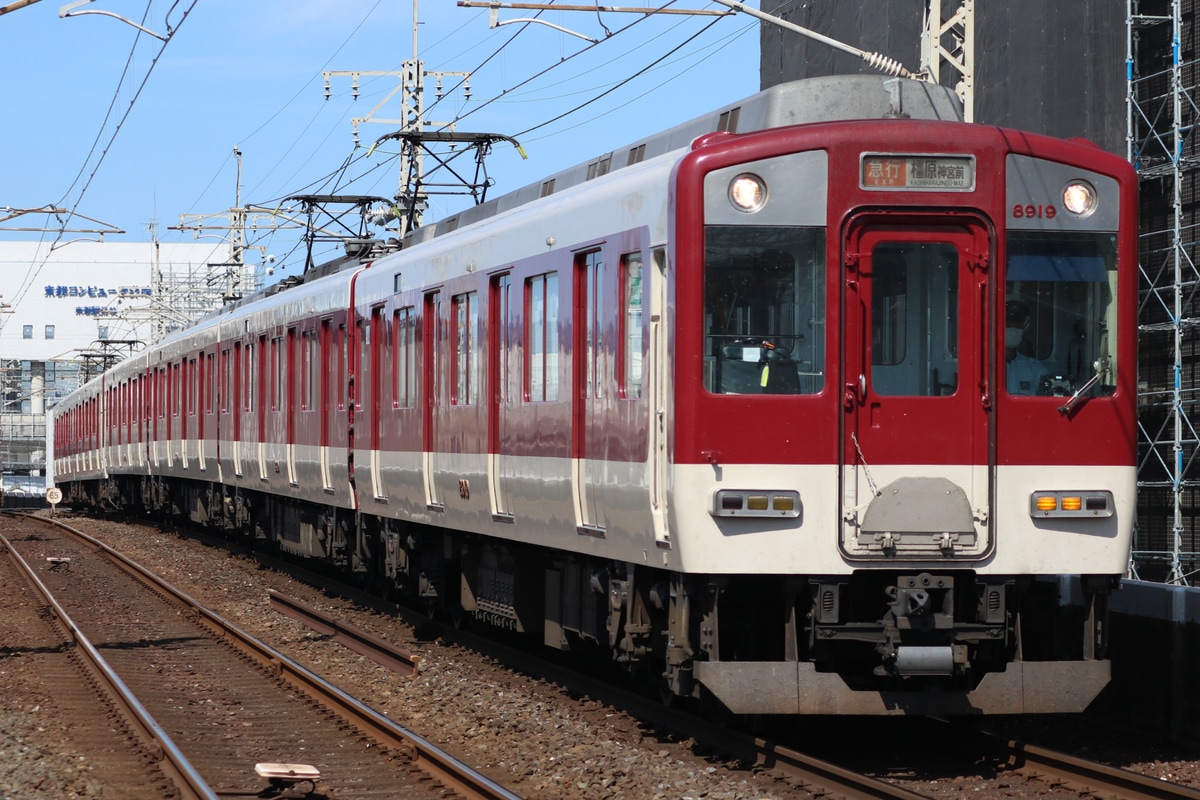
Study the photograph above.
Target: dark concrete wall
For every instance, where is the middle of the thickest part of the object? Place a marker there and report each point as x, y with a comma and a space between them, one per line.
1053, 68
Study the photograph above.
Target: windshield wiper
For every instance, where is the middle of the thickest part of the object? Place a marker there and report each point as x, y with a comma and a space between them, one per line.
1077, 399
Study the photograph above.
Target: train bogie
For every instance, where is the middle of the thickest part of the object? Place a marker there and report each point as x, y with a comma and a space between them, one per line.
806, 418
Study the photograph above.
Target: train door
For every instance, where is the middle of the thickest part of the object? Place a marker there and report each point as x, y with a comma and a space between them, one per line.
187, 410
372, 384
329, 405
259, 403
588, 384
291, 409
916, 394
499, 390
433, 335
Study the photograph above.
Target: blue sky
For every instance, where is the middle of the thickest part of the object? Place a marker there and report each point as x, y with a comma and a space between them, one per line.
249, 74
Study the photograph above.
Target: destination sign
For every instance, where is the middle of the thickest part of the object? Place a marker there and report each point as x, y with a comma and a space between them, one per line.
918, 173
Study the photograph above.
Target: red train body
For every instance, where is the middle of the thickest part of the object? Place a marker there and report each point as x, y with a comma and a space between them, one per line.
832, 415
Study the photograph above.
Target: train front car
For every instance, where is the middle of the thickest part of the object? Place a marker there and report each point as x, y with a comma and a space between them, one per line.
904, 416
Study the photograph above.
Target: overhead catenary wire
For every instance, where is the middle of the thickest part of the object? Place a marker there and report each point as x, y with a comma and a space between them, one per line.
36, 268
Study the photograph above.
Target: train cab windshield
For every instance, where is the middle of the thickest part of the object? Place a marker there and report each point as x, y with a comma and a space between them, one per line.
1060, 314
764, 313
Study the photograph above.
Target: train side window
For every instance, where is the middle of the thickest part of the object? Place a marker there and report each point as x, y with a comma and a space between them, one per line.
363, 358
630, 354
466, 349
278, 373
193, 387
308, 361
208, 383
341, 346
404, 357
225, 382
764, 309
249, 384
541, 338
589, 268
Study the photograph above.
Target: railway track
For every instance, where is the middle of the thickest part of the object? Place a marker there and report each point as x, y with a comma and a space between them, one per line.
1035, 771
225, 714
50, 678
1040, 766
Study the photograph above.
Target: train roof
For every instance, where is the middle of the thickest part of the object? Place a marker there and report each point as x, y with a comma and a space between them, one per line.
824, 99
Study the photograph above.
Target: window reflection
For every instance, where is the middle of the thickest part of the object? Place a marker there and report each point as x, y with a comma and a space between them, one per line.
1060, 291
914, 319
764, 310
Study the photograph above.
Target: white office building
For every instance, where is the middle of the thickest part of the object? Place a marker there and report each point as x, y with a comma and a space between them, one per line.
69, 311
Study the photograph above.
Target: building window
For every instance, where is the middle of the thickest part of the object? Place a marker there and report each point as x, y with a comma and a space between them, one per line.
26, 331
49, 331
102, 332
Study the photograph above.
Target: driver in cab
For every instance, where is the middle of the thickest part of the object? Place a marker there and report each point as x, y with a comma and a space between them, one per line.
1022, 372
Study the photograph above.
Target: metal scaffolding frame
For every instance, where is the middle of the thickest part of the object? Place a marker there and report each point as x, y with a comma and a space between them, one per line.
1162, 112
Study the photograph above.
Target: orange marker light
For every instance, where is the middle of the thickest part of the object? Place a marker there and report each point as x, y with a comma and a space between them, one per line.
1047, 503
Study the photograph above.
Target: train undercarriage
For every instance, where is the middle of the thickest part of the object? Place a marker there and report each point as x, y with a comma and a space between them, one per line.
874, 641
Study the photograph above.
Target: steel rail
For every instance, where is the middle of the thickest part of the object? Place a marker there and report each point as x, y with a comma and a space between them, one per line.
819, 777
1099, 780
442, 766
384, 653
170, 759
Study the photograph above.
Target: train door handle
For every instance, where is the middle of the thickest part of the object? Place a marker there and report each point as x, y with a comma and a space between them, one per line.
855, 392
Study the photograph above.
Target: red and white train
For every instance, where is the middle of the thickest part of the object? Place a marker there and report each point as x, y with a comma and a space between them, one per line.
821, 403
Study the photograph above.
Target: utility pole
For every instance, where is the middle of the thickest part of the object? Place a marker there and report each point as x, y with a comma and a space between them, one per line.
417, 133
236, 278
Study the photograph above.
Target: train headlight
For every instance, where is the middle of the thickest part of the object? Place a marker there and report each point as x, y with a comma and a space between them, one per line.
748, 192
1079, 197
1071, 504
755, 503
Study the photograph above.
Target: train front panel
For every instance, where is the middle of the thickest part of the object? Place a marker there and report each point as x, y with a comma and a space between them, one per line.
904, 407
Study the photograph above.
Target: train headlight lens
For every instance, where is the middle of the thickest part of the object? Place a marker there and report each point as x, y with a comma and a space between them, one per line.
1079, 197
1071, 504
748, 193
755, 503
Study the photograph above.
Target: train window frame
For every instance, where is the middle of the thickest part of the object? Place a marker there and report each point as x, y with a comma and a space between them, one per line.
404, 357
589, 307
249, 385
308, 369
749, 271
465, 377
1066, 282
341, 355
540, 369
226, 380
631, 358
278, 375
193, 386
912, 282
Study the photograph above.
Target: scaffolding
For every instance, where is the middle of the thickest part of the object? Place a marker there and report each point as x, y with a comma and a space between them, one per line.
1162, 77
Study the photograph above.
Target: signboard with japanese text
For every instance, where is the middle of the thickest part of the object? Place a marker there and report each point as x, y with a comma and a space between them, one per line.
927, 173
